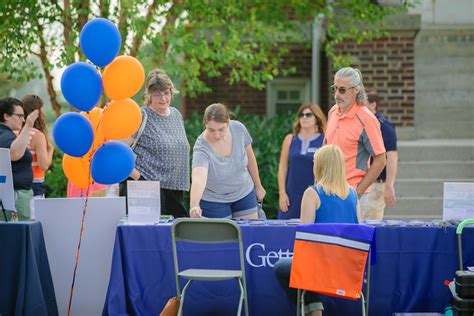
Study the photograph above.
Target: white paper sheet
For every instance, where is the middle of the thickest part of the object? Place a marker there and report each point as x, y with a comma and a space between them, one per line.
458, 200
144, 204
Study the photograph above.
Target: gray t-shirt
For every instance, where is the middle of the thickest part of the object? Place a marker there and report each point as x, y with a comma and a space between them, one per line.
228, 178
163, 150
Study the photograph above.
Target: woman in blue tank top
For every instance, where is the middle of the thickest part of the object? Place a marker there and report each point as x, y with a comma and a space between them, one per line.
331, 200
296, 159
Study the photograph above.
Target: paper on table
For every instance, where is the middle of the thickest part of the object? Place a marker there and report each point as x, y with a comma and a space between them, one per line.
458, 200
144, 204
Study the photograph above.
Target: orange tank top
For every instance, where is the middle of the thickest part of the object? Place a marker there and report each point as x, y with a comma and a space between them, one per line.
38, 174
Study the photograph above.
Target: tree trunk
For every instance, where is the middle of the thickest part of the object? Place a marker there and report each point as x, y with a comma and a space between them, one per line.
43, 56
104, 8
137, 41
67, 24
83, 13
52, 93
123, 25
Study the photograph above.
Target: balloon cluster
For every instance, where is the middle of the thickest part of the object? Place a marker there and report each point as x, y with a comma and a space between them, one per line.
89, 138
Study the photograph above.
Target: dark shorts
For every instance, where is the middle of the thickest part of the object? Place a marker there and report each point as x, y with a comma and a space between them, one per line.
245, 206
38, 188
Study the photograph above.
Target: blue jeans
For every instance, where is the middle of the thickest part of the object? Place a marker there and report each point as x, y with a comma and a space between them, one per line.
282, 270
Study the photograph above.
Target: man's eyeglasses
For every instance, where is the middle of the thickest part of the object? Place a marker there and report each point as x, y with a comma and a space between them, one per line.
159, 94
307, 114
342, 90
22, 116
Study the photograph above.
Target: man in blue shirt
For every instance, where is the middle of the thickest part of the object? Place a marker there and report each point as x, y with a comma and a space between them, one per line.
382, 190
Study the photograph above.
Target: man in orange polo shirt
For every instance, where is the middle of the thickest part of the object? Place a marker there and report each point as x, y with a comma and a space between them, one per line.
356, 130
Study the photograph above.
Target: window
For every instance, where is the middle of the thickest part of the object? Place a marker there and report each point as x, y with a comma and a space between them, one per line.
286, 95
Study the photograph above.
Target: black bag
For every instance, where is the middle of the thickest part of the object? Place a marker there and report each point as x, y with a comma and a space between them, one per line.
464, 282
462, 306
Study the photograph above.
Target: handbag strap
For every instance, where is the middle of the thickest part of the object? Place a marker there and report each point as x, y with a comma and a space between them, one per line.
140, 131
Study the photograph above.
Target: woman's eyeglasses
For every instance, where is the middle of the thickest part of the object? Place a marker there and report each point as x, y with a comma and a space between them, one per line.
22, 116
341, 90
159, 94
307, 114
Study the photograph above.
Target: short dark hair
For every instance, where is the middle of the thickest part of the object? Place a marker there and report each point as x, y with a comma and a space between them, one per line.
7, 106
372, 96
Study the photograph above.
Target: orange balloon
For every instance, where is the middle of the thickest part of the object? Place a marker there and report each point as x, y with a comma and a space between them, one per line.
99, 140
121, 119
95, 116
77, 170
123, 78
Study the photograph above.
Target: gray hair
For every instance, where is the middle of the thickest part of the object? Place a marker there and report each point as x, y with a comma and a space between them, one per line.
356, 81
157, 80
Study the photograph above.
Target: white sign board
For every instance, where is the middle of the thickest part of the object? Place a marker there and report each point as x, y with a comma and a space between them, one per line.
144, 204
61, 221
458, 200
6, 181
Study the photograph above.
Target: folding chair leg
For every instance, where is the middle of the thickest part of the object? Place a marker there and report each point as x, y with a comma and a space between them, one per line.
181, 301
363, 304
239, 311
302, 303
367, 292
298, 298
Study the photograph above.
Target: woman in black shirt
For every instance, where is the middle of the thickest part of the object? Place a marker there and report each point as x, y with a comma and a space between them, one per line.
12, 118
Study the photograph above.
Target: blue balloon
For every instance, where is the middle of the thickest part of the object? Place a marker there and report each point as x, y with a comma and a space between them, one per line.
112, 163
73, 134
81, 86
100, 41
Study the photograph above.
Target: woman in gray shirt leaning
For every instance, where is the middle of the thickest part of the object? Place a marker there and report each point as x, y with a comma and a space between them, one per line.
162, 149
225, 180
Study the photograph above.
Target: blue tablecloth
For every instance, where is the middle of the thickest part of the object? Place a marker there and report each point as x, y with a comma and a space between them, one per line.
26, 286
411, 266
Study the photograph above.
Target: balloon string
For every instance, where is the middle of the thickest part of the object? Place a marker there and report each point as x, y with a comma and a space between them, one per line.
78, 251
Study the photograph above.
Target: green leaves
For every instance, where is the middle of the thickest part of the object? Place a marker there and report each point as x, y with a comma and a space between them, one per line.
243, 41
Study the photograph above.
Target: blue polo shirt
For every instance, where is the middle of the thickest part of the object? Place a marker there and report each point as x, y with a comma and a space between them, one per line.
389, 136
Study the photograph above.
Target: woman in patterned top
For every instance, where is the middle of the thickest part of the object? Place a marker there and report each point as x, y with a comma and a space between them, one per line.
163, 149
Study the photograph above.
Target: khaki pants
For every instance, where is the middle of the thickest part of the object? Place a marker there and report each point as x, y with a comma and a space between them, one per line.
374, 206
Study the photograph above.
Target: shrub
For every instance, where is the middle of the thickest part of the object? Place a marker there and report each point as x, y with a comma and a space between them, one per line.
55, 181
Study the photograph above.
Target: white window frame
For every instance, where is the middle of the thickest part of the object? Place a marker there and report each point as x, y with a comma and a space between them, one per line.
304, 84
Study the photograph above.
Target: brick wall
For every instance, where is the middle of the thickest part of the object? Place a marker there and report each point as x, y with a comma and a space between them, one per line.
249, 99
387, 65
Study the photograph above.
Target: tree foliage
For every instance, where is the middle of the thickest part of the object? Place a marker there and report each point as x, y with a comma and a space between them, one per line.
241, 40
